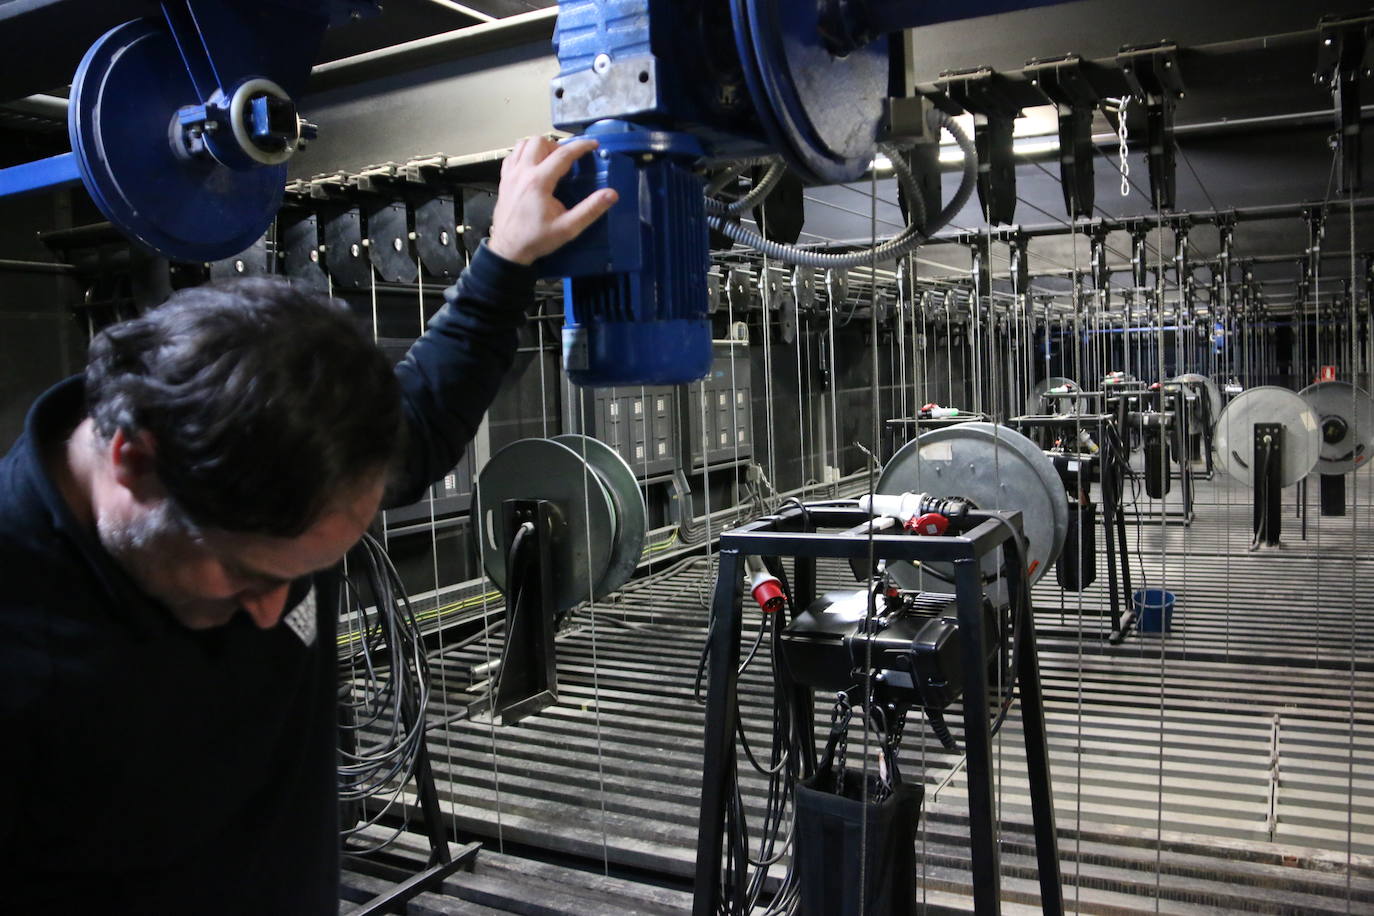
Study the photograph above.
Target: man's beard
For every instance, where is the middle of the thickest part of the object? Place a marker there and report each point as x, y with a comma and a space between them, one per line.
131, 538
134, 546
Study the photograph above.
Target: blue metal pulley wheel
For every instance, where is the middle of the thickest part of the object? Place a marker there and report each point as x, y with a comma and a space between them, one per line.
821, 111
124, 101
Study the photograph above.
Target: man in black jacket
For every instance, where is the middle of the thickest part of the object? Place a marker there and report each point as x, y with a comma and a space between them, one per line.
167, 746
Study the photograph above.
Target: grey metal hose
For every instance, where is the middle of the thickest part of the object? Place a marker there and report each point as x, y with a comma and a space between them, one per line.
910, 238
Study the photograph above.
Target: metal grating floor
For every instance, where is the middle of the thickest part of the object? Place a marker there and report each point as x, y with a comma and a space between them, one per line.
1224, 768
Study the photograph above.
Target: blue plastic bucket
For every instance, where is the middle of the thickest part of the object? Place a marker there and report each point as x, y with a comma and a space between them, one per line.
1154, 610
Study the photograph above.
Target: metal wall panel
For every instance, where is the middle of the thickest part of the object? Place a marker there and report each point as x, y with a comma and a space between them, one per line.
728, 412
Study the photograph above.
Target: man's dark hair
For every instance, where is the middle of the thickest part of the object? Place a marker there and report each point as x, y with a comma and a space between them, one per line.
264, 402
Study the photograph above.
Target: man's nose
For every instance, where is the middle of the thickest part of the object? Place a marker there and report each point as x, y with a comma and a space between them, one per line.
265, 607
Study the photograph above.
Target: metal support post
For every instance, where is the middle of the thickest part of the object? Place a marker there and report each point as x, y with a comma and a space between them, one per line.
719, 755
1037, 743
987, 870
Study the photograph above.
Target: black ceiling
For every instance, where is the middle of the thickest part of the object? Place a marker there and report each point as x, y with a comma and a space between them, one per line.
405, 20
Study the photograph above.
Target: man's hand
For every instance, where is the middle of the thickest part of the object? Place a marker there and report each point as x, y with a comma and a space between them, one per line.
529, 222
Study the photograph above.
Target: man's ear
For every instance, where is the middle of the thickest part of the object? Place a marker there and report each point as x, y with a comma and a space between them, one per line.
133, 461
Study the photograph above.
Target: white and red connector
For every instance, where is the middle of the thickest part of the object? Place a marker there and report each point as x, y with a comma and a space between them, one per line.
765, 587
909, 509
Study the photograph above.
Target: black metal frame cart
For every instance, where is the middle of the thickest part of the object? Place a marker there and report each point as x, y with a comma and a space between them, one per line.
794, 533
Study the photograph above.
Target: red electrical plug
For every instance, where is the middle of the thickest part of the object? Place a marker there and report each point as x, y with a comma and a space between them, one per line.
764, 586
931, 524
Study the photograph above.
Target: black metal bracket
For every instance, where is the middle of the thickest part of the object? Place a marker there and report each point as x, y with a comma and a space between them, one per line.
1101, 274
528, 678
346, 253
390, 235
995, 103
1152, 73
1018, 247
436, 232
1068, 82
1342, 62
981, 264
253, 261
1268, 477
298, 239
784, 216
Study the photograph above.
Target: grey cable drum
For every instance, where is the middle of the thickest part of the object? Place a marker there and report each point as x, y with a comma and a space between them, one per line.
544, 469
1346, 415
631, 523
997, 468
1234, 436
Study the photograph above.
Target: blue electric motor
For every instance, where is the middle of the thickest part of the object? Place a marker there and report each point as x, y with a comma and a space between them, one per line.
635, 289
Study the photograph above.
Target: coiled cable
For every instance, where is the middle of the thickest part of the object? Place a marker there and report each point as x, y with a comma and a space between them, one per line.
384, 692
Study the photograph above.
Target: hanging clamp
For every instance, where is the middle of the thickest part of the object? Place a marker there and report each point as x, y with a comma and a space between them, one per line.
981, 266
1152, 74
1226, 243
1018, 244
1341, 65
1101, 274
1182, 268
1140, 261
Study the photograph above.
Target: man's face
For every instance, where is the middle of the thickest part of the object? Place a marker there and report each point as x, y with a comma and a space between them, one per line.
205, 577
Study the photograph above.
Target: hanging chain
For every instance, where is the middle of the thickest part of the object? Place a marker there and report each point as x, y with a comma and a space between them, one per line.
1122, 135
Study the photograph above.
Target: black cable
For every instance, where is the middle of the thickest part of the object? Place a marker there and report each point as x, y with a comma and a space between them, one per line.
701, 663
745, 876
386, 675
936, 718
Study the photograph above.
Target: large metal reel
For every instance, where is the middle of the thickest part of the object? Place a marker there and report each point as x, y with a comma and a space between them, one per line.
603, 526
124, 100
822, 112
631, 519
1234, 434
1346, 415
997, 468
1214, 403
1037, 392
